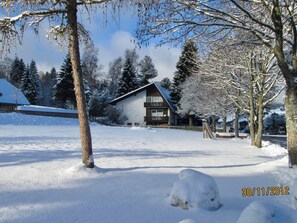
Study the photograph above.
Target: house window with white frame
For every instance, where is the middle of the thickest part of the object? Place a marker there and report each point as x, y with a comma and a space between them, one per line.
153, 99
157, 113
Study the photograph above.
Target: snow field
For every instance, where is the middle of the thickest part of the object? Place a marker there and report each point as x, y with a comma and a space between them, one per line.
42, 179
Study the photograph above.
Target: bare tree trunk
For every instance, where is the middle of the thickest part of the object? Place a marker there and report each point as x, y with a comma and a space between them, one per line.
260, 121
291, 124
85, 133
213, 123
252, 128
190, 120
236, 123
252, 103
225, 124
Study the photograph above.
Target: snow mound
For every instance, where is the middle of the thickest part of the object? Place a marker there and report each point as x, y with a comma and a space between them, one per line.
138, 128
273, 149
195, 189
293, 193
80, 169
263, 212
187, 221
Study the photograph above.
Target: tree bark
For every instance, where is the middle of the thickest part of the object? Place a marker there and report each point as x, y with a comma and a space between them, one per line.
213, 123
291, 124
190, 120
225, 124
85, 133
236, 129
260, 121
252, 105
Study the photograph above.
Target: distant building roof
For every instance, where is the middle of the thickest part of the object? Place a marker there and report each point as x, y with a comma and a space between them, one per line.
9, 94
163, 91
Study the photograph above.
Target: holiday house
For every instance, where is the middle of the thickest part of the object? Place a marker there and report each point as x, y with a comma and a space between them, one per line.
10, 97
146, 106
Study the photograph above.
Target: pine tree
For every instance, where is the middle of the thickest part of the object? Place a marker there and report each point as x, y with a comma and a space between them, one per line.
128, 80
147, 70
64, 95
35, 80
166, 83
48, 82
99, 103
187, 65
28, 86
17, 70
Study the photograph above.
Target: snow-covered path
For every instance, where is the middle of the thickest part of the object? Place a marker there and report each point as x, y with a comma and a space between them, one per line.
137, 169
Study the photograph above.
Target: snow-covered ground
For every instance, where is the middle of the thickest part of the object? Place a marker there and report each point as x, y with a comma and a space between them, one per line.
41, 179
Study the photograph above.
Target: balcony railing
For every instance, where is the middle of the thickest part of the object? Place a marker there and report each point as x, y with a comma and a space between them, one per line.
156, 119
155, 104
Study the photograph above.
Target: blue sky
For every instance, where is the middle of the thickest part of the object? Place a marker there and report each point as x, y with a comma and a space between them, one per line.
112, 38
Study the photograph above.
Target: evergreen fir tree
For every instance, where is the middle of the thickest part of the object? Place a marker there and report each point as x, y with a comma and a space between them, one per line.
166, 83
48, 82
17, 70
128, 80
99, 103
187, 65
64, 95
147, 70
35, 80
29, 86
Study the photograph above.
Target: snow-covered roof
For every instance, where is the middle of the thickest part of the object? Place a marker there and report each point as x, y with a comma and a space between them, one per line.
36, 108
166, 95
9, 94
163, 91
231, 118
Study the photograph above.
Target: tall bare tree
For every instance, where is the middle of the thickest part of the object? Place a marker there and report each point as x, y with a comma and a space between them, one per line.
272, 23
62, 17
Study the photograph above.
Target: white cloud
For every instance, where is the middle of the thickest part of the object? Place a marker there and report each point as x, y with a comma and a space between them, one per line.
48, 54
164, 57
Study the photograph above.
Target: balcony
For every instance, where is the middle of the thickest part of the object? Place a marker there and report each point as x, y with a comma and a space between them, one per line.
155, 105
156, 119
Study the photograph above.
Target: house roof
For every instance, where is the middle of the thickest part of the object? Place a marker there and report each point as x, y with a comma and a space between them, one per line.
9, 94
163, 91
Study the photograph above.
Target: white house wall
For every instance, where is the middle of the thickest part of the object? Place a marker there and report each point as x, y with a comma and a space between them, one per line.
133, 108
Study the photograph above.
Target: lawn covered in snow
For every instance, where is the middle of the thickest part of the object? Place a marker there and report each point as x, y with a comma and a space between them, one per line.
41, 179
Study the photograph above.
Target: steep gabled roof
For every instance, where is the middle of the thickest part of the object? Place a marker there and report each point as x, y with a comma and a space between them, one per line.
164, 92
166, 95
9, 94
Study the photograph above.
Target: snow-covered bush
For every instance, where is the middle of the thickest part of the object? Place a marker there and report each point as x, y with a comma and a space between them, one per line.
275, 124
195, 189
264, 212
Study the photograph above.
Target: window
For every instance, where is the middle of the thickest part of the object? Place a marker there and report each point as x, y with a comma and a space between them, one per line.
154, 99
1, 94
157, 113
